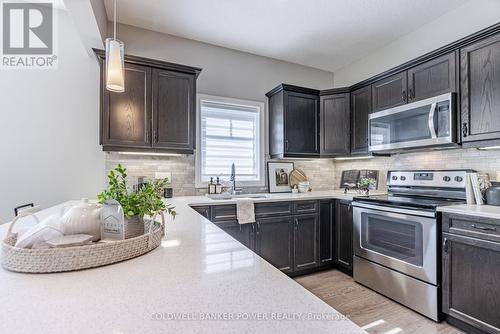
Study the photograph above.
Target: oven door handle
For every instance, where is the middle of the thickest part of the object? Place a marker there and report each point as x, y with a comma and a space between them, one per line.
432, 125
381, 208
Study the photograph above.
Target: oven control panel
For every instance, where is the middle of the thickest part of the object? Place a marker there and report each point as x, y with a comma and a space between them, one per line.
440, 179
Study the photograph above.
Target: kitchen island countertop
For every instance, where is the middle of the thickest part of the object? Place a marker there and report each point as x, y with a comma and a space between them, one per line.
199, 280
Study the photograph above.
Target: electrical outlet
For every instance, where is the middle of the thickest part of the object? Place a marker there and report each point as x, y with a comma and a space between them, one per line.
162, 175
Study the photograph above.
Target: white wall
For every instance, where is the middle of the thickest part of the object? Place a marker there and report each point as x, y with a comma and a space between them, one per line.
469, 18
225, 72
49, 129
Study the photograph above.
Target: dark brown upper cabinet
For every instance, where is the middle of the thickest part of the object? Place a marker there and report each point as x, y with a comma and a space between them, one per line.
293, 122
432, 78
389, 92
480, 92
156, 113
361, 101
125, 117
335, 123
174, 112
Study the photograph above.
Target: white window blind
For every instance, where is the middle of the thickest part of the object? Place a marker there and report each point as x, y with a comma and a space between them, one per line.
230, 133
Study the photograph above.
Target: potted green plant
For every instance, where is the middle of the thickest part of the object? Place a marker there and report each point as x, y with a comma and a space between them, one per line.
365, 184
145, 201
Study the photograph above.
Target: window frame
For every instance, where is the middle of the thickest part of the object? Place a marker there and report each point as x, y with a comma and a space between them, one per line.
261, 137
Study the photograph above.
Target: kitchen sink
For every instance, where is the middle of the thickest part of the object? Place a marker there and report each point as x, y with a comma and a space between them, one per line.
226, 197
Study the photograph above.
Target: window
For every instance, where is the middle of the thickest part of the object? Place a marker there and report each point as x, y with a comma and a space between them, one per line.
230, 131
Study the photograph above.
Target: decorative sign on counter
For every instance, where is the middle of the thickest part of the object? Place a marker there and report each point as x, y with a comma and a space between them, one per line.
351, 178
112, 220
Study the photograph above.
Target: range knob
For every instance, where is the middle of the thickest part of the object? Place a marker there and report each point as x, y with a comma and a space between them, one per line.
394, 177
446, 178
459, 178
403, 178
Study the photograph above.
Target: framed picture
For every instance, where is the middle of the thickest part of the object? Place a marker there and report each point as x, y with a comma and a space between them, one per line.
278, 175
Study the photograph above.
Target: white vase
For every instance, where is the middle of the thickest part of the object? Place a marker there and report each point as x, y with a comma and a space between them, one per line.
83, 218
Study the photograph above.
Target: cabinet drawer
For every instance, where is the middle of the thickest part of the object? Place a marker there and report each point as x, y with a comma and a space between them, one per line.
223, 212
476, 227
306, 207
263, 210
203, 210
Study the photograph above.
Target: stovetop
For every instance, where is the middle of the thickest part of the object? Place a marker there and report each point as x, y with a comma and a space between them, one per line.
420, 202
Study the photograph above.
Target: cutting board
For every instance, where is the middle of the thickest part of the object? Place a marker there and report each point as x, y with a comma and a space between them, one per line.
296, 176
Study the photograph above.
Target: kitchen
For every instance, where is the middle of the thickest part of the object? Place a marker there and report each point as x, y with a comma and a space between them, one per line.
323, 105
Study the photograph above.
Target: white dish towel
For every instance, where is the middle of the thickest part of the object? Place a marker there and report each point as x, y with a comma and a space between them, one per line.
245, 211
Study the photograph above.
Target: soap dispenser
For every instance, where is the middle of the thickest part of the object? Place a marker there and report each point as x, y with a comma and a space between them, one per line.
218, 187
211, 187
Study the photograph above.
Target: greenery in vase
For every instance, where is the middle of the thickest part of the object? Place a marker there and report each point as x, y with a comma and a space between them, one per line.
146, 201
366, 183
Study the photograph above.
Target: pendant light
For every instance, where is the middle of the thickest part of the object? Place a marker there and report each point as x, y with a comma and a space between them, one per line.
115, 56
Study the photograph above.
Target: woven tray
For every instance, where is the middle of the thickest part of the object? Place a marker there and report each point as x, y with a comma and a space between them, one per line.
50, 260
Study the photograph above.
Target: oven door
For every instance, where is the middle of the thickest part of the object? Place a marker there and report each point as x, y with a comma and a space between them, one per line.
423, 123
400, 239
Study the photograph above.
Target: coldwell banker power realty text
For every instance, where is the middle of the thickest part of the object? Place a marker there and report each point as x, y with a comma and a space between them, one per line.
28, 35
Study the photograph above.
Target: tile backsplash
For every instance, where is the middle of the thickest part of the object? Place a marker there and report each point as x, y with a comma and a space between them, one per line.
481, 161
324, 174
319, 172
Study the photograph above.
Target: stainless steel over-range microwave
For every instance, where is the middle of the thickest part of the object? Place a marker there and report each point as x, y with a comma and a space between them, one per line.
426, 123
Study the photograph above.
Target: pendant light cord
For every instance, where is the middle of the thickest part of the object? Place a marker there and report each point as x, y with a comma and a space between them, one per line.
114, 20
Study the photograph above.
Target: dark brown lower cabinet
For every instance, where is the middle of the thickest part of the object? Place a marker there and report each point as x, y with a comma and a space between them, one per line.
274, 242
244, 233
203, 210
326, 232
471, 281
296, 237
343, 232
306, 242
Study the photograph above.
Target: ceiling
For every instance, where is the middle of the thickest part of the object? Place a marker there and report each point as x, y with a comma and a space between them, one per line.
325, 34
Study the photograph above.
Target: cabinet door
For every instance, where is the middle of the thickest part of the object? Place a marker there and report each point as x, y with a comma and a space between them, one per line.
471, 281
276, 124
343, 224
432, 78
173, 110
244, 233
126, 117
274, 242
306, 241
301, 123
335, 124
389, 92
361, 102
326, 232
480, 90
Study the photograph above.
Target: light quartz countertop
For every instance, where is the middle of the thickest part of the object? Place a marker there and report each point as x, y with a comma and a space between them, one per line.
198, 272
276, 197
484, 211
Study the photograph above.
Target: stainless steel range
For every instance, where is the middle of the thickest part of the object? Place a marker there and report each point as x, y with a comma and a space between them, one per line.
396, 236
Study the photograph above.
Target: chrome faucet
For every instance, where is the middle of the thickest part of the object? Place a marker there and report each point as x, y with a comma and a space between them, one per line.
234, 190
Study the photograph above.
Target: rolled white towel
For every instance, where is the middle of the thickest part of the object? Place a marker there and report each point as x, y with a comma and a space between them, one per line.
245, 210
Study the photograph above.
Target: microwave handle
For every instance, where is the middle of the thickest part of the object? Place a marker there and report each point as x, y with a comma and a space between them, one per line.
432, 127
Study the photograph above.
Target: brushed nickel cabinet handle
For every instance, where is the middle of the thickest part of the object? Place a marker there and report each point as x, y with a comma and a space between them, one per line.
483, 228
445, 245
